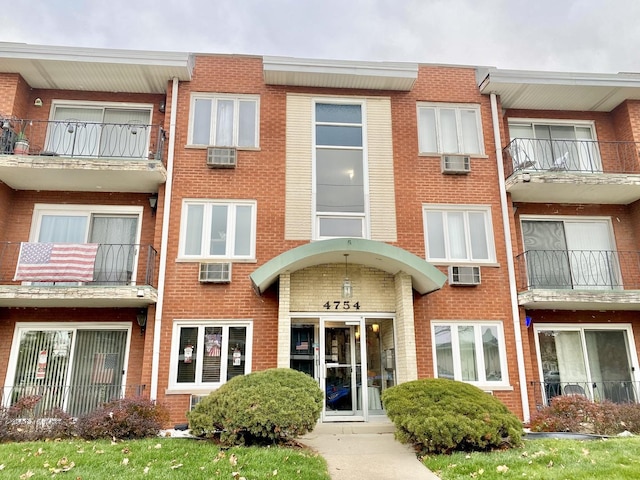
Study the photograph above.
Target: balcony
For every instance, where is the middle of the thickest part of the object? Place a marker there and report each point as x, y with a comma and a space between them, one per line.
572, 171
578, 280
613, 391
74, 155
123, 276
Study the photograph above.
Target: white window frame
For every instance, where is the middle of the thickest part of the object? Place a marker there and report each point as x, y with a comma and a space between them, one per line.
206, 229
50, 326
480, 365
532, 122
215, 97
465, 209
363, 216
198, 386
457, 107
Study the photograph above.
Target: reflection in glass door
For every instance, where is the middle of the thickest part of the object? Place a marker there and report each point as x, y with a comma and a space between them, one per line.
341, 352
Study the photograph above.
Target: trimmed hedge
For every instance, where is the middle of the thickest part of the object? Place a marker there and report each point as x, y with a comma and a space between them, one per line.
439, 416
269, 406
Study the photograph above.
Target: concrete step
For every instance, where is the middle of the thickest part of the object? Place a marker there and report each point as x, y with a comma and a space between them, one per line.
337, 428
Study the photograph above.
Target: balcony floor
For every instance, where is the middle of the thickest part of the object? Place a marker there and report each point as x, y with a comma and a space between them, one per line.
121, 296
543, 299
574, 187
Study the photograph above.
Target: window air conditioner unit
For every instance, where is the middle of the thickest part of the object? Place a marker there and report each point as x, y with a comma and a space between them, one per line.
218, 157
195, 399
215, 272
456, 164
464, 275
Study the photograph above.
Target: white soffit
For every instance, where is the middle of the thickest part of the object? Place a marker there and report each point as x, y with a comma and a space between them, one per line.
535, 90
339, 74
95, 69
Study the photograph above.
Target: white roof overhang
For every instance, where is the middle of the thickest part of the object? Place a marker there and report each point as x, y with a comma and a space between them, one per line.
339, 74
95, 69
537, 90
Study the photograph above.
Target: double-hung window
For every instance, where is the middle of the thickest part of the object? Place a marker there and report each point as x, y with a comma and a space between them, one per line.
207, 354
218, 229
445, 128
459, 234
470, 351
224, 120
339, 170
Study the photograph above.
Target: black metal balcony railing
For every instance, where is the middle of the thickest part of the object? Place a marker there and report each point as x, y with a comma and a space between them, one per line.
75, 400
613, 391
582, 156
578, 269
114, 265
77, 138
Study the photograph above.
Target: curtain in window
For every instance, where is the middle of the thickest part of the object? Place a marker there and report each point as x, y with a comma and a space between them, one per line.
247, 124
428, 131
219, 221
448, 131
202, 121
457, 239
224, 123
63, 229
126, 133
242, 244
444, 352
117, 251
468, 360
193, 237
469, 124
75, 131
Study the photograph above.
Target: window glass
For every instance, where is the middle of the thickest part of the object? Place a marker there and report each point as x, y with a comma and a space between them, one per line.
202, 121
211, 360
491, 352
469, 122
243, 230
341, 227
449, 129
336, 113
478, 234
224, 121
340, 181
435, 235
468, 359
218, 230
456, 229
247, 126
339, 135
428, 138
193, 240
444, 352
187, 355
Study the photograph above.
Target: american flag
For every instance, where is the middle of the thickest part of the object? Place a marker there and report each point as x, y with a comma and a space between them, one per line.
56, 262
104, 365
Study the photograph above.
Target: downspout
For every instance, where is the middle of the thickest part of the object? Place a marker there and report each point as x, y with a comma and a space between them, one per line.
162, 269
513, 290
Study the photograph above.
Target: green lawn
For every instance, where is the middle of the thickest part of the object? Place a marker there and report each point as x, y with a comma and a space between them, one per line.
612, 459
156, 458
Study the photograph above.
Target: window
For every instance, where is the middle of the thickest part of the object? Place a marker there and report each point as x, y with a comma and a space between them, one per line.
210, 353
593, 360
459, 234
470, 352
213, 229
339, 170
224, 121
554, 146
449, 129
570, 253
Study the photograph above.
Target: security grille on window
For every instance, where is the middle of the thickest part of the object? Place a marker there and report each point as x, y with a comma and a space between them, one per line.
218, 230
224, 121
450, 129
459, 234
470, 352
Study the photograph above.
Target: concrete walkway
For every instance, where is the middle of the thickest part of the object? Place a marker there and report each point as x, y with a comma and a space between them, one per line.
365, 451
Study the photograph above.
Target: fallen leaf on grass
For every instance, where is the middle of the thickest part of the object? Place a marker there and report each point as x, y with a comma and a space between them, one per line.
157, 446
146, 470
2, 467
233, 459
275, 472
585, 452
178, 465
27, 474
550, 464
502, 469
125, 461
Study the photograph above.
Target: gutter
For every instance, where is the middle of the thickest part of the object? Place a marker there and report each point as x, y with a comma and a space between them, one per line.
513, 291
164, 238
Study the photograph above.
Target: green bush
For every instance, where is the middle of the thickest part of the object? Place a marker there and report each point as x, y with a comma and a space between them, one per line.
128, 418
439, 416
270, 406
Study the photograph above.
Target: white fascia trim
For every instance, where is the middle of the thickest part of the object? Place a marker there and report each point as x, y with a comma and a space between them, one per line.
493, 76
97, 55
302, 65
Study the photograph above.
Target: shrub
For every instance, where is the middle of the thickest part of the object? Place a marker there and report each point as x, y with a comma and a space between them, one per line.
25, 421
127, 418
578, 414
439, 415
271, 406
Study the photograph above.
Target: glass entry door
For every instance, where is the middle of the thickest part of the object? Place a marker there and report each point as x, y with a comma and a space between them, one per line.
342, 370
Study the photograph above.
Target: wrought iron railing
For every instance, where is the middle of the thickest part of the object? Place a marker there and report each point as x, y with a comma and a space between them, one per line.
116, 264
578, 269
613, 391
75, 400
77, 138
580, 156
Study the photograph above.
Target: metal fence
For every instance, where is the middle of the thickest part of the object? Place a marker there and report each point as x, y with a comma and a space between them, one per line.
116, 264
613, 391
580, 156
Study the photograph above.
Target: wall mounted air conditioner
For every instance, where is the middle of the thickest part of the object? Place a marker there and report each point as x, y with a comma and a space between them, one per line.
464, 276
219, 157
456, 164
215, 273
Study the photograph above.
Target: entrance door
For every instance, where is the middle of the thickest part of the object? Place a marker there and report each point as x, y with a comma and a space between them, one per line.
342, 370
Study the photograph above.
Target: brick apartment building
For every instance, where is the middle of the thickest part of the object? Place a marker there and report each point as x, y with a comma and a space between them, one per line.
178, 219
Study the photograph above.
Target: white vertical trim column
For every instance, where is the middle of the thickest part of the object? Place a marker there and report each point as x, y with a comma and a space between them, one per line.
284, 320
513, 290
164, 238
406, 353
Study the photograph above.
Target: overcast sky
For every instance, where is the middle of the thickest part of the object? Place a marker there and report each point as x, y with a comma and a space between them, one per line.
562, 35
